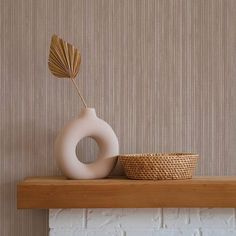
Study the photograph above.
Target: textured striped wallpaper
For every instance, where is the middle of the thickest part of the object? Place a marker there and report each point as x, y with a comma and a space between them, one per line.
162, 73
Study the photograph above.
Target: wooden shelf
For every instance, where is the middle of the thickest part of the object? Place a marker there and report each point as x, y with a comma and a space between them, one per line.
58, 192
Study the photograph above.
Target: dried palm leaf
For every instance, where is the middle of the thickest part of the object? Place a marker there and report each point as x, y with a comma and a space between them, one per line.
64, 61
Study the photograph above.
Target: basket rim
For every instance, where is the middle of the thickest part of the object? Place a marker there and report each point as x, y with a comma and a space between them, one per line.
173, 154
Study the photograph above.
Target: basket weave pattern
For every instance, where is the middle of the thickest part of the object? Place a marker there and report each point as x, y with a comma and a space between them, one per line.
159, 166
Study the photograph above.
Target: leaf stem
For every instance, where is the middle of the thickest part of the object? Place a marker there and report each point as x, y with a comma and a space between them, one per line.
78, 91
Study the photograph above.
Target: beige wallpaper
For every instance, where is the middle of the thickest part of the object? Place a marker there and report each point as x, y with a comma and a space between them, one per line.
162, 73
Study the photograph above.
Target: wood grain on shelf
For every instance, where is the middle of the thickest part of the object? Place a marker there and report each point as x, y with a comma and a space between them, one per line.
58, 192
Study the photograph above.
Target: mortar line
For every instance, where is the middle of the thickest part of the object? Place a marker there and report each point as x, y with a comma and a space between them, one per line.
234, 216
162, 218
85, 218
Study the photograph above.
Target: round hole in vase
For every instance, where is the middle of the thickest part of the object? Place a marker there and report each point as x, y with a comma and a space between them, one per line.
86, 125
87, 150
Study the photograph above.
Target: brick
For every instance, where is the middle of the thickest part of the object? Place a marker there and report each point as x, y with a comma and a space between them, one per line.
163, 232
194, 218
66, 232
79, 232
169, 232
124, 218
219, 232
104, 233
139, 233
61, 218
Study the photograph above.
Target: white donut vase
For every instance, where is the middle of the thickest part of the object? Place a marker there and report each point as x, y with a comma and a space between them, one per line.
87, 125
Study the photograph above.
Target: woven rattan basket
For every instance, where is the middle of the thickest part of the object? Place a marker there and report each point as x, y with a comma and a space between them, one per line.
159, 166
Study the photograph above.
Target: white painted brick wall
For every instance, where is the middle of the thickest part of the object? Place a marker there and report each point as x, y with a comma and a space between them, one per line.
143, 222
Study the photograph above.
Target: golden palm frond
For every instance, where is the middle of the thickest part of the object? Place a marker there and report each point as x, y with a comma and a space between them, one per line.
64, 61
